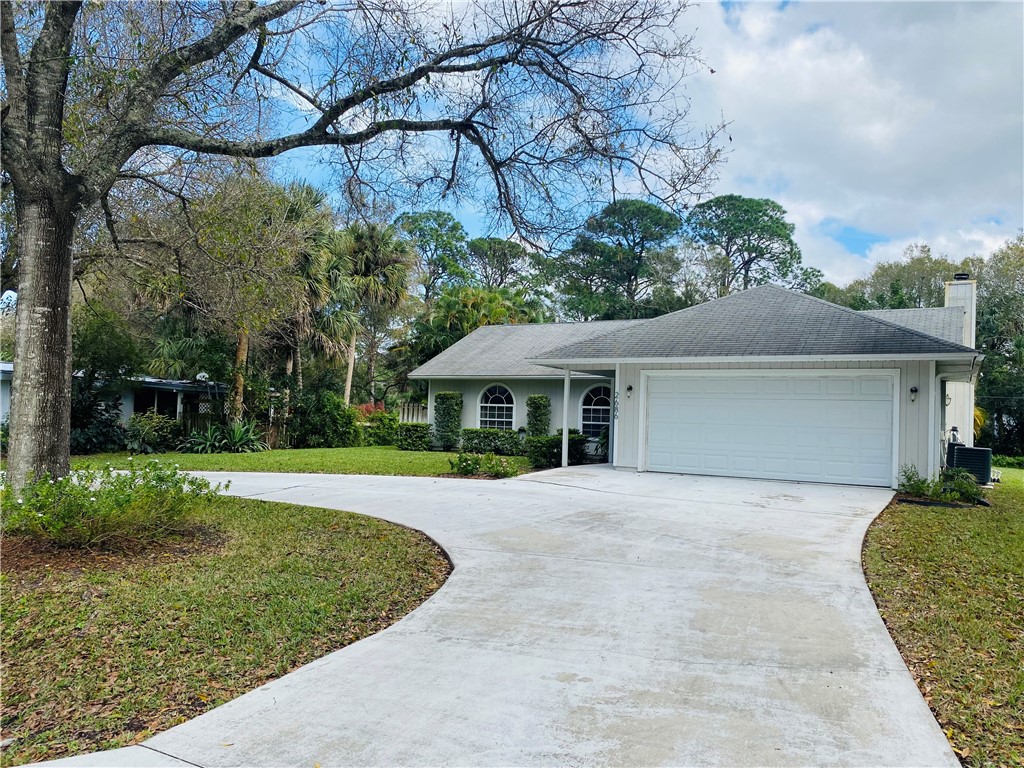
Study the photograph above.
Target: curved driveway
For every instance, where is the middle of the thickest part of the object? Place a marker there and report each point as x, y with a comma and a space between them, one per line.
595, 617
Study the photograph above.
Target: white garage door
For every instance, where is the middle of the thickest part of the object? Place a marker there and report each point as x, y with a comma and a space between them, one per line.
824, 429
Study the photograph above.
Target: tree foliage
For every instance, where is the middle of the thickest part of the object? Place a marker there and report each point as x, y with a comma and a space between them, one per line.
495, 264
440, 243
748, 242
624, 255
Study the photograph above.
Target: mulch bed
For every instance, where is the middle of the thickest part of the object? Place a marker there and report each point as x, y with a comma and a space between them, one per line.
20, 554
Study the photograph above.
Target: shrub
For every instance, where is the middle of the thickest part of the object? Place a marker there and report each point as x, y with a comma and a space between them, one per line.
320, 419
960, 485
447, 419
471, 464
503, 442
546, 452
5, 434
367, 410
912, 483
381, 428
538, 415
152, 433
241, 437
209, 440
1008, 462
90, 508
466, 464
952, 485
96, 425
498, 466
413, 437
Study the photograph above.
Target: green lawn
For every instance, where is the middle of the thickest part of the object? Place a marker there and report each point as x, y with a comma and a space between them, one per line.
950, 585
102, 650
383, 460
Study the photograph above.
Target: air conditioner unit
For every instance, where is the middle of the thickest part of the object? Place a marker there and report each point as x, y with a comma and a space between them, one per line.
977, 461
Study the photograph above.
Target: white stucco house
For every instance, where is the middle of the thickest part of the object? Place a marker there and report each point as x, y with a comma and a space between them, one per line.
766, 383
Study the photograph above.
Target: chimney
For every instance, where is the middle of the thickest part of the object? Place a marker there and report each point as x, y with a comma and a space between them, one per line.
962, 292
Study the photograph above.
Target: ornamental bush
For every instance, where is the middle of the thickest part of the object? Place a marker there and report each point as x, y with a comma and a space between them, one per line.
320, 419
503, 442
413, 437
380, 428
447, 419
473, 464
152, 433
538, 415
103, 508
546, 452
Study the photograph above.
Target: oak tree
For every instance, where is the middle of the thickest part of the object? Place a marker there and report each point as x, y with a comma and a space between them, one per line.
527, 106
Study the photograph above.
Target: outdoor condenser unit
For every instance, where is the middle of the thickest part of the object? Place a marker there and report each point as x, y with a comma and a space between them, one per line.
977, 461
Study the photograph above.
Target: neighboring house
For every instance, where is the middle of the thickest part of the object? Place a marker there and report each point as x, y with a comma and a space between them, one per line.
767, 383
191, 402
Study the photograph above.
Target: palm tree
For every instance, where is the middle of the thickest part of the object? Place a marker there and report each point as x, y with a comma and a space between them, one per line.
379, 264
321, 317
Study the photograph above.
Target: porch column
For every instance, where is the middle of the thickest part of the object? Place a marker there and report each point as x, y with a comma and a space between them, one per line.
565, 420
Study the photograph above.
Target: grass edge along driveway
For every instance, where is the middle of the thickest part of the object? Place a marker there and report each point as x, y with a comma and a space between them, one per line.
377, 460
102, 650
949, 584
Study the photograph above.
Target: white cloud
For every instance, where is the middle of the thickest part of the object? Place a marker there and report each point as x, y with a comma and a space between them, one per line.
904, 120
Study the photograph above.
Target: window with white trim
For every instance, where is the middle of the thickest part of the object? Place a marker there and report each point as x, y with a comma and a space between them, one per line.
597, 411
496, 408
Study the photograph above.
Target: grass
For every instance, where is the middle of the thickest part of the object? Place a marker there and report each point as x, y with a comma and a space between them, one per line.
380, 460
102, 650
949, 584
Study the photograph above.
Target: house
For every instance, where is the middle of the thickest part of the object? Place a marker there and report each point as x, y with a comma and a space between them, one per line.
766, 383
191, 402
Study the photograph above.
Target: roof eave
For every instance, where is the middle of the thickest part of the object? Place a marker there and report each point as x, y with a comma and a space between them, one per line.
606, 361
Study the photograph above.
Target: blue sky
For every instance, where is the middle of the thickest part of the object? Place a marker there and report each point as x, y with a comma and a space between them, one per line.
875, 124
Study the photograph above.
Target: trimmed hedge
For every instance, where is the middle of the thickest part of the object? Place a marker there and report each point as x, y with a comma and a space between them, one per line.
1008, 462
381, 428
546, 452
503, 442
413, 437
447, 419
538, 415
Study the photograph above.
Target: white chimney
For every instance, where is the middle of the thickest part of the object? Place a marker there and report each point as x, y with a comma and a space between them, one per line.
961, 291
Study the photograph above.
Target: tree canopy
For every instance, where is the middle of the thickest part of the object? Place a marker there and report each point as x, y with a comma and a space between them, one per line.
623, 256
748, 242
530, 104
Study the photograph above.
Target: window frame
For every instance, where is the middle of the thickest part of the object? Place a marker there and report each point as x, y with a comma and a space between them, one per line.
610, 407
480, 405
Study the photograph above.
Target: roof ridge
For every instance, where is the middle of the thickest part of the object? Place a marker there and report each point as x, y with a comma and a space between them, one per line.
887, 323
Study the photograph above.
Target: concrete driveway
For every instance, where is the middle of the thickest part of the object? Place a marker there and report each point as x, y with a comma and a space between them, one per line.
595, 617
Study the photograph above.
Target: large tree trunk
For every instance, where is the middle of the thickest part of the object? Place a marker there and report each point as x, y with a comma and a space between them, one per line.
41, 391
238, 381
351, 367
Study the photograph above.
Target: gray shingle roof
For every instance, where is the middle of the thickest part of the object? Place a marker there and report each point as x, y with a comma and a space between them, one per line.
763, 321
941, 322
501, 351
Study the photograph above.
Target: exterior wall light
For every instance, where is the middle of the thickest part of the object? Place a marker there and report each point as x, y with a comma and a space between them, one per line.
913, 394
629, 391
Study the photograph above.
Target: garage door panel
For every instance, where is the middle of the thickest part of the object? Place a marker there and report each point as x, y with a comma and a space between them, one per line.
811, 428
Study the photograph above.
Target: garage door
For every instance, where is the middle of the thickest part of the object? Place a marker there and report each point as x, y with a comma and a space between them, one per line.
825, 429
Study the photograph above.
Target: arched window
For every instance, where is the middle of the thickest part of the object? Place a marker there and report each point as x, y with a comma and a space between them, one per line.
596, 411
496, 408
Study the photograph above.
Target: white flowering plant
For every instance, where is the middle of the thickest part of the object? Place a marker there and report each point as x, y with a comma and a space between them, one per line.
106, 508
